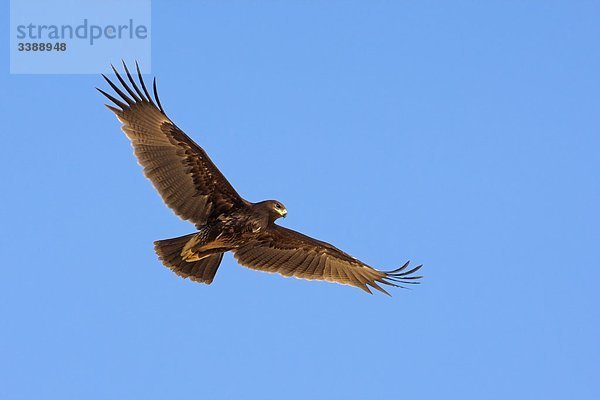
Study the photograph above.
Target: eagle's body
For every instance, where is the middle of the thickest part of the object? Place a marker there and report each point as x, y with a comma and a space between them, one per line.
194, 188
228, 231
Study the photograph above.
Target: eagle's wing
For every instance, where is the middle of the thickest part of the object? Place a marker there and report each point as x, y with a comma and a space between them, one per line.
180, 170
290, 253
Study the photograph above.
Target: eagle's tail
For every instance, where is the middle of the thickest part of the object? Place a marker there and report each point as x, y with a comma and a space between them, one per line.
203, 270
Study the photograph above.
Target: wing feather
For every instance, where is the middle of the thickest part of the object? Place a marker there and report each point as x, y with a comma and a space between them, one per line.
311, 268
290, 253
180, 170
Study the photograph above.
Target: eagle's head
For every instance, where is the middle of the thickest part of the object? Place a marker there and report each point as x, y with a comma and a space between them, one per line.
278, 208
274, 208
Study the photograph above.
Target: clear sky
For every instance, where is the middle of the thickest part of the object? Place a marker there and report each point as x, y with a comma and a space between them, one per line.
461, 135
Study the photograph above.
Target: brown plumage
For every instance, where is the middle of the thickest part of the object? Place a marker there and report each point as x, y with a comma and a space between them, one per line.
192, 186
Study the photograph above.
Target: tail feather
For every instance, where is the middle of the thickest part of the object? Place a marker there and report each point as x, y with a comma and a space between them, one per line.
203, 270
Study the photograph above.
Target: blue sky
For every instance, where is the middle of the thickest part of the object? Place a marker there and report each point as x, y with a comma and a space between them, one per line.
462, 136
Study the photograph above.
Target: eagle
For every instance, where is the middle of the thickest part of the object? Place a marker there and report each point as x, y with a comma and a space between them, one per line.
194, 188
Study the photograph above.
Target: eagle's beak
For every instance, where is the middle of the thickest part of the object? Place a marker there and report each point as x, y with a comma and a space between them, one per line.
284, 213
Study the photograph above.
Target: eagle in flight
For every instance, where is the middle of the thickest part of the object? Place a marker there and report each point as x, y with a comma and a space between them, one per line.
194, 188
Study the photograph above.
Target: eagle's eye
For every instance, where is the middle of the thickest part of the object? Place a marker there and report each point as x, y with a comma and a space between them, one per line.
277, 205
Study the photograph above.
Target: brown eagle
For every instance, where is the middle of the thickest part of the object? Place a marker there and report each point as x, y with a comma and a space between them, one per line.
194, 188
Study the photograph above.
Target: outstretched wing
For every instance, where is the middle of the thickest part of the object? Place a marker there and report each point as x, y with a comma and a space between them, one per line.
180, 170
291, 253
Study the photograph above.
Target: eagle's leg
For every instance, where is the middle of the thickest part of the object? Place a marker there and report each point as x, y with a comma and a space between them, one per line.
202, 269
205, 243
190, 250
